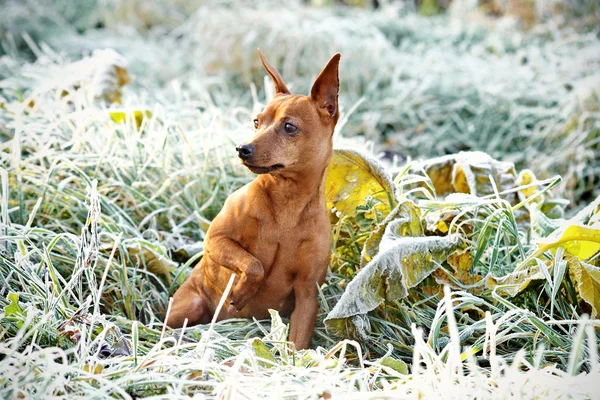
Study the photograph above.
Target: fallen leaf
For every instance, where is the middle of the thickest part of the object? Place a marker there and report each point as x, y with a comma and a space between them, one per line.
402, 263
13, 307
105, 72
120, 116
71, 332
579, 240
262, 352
469, 172
587, 279
395, 364
409, 215
278, 335
153, 256
515, 282
99, 77
93, 368
462, 276
527, 177
354, 178
462, 262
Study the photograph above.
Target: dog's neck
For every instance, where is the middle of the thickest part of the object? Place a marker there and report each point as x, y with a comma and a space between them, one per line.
295, 190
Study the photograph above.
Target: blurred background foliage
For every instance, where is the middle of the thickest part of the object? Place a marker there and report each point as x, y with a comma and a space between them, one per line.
513, 78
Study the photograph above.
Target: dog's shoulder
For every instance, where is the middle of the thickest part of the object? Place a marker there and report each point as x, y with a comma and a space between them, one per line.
245, 202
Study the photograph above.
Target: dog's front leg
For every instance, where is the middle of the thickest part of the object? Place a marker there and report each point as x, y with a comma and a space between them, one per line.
302, 320
229, 254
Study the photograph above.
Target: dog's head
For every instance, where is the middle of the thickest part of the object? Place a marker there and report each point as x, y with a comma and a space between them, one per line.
294, 132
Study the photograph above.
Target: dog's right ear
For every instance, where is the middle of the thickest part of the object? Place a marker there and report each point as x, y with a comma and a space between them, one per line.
280, 87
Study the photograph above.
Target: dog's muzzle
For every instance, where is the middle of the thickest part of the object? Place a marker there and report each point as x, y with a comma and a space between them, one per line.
245, 151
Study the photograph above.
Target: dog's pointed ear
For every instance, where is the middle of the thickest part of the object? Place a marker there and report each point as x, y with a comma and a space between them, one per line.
327, 86
280, 87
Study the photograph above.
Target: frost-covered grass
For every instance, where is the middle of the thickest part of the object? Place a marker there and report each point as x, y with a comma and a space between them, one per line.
102, 216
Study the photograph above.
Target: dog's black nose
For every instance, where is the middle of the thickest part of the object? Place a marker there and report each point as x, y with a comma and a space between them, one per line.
245, 151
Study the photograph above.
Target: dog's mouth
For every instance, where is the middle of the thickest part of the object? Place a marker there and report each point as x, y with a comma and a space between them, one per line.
262, 170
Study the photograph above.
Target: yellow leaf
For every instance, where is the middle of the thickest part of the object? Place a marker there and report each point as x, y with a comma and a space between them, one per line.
352, 179
93, 368
575, 236
439, 171
120, 116
461, 262
579, 240
441, 226
587, 278
262, 352
469, 172
527, 177
461, 184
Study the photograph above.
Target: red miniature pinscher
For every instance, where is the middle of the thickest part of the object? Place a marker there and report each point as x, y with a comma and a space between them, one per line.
274, 233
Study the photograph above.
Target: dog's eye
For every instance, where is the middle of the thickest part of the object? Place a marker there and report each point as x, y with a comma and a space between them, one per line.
290, 129
255, 124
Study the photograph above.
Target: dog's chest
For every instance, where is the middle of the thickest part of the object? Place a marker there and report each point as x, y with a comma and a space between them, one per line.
282, 243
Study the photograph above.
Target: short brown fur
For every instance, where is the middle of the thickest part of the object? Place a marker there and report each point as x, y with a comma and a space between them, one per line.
274, 233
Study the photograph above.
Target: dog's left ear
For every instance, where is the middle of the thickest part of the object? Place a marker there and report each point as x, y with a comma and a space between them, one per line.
327, 86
